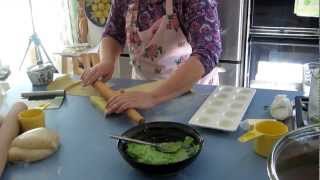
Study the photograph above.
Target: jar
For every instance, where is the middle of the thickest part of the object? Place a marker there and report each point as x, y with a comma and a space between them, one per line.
308, 70
314, 97
41, 74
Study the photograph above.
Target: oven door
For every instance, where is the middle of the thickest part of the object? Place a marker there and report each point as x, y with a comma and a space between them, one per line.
277, 63
278, 16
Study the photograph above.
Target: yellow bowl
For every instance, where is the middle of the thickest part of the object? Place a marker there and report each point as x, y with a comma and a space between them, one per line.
272, 131
265, 134
31, 118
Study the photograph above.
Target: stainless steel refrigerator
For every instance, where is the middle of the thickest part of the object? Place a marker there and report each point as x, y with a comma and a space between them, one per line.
233, 19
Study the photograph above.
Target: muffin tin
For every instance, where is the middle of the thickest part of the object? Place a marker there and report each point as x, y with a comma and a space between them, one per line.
224, 108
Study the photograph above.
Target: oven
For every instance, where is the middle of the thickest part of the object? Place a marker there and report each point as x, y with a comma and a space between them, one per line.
280, 17
277, 63
280, 40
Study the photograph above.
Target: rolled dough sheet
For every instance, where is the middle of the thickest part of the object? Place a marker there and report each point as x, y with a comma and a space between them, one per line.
66, 81
146, 87
73, 87
54, 103
100, 103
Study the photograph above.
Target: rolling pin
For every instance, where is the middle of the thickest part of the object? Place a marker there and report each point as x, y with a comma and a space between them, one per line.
106, 92
9, 129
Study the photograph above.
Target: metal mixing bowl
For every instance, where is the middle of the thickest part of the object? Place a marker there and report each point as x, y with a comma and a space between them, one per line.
296, 155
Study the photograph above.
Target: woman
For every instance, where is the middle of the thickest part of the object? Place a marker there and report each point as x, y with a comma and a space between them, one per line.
176, 40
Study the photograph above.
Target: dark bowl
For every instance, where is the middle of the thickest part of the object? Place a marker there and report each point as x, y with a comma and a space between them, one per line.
160, 132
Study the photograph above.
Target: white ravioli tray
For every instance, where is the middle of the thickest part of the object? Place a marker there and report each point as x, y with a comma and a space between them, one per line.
224, 108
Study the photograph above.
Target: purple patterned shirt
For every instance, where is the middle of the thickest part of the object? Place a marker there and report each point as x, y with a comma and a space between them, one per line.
198, 21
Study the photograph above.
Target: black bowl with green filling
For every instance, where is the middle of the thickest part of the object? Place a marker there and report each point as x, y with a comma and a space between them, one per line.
159, 132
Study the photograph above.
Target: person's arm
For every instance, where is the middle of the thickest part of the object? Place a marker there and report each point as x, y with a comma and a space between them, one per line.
112, 43
180, 81
9, 129
200, 24
110, 50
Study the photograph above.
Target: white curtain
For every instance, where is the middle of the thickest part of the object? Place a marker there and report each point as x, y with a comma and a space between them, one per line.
52, 24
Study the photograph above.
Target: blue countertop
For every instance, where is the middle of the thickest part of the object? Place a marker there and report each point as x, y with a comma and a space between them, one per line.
87, 152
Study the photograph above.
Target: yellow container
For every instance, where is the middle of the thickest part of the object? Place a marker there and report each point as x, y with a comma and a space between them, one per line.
31, 118
265, 134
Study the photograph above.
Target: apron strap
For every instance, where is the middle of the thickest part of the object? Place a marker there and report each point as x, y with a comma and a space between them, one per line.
169, 7
135, 11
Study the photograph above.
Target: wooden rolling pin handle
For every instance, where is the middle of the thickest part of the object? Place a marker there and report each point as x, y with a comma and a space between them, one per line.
9, 129
135, 116
11, 121
106, 92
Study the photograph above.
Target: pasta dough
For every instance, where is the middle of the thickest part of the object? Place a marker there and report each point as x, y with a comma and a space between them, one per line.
34, 145
100, 103
73, 87
146, 87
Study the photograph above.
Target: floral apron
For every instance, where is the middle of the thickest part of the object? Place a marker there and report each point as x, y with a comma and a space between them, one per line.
158, 51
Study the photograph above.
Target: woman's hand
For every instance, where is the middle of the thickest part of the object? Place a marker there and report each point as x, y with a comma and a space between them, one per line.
126, 100
102, 71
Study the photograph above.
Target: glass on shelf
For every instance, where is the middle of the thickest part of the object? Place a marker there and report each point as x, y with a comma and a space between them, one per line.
308, 70
314, 95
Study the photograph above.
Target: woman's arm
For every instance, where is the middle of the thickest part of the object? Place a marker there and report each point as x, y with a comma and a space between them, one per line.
200, 24
113, 41
109, 52
180, 81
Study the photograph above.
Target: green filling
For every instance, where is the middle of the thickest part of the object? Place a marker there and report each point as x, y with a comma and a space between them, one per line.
151, 155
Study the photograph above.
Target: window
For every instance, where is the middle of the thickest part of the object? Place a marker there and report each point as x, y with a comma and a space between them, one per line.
51, 21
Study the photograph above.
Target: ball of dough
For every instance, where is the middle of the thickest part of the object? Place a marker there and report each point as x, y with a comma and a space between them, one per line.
34, 145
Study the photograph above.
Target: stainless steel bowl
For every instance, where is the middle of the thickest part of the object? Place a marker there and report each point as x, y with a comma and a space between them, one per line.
296, 155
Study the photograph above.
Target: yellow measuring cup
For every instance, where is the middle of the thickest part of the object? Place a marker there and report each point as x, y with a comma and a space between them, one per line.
33, 118
264, 134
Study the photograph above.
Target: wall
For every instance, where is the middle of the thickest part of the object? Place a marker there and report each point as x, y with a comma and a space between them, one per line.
94, 34
49, 19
